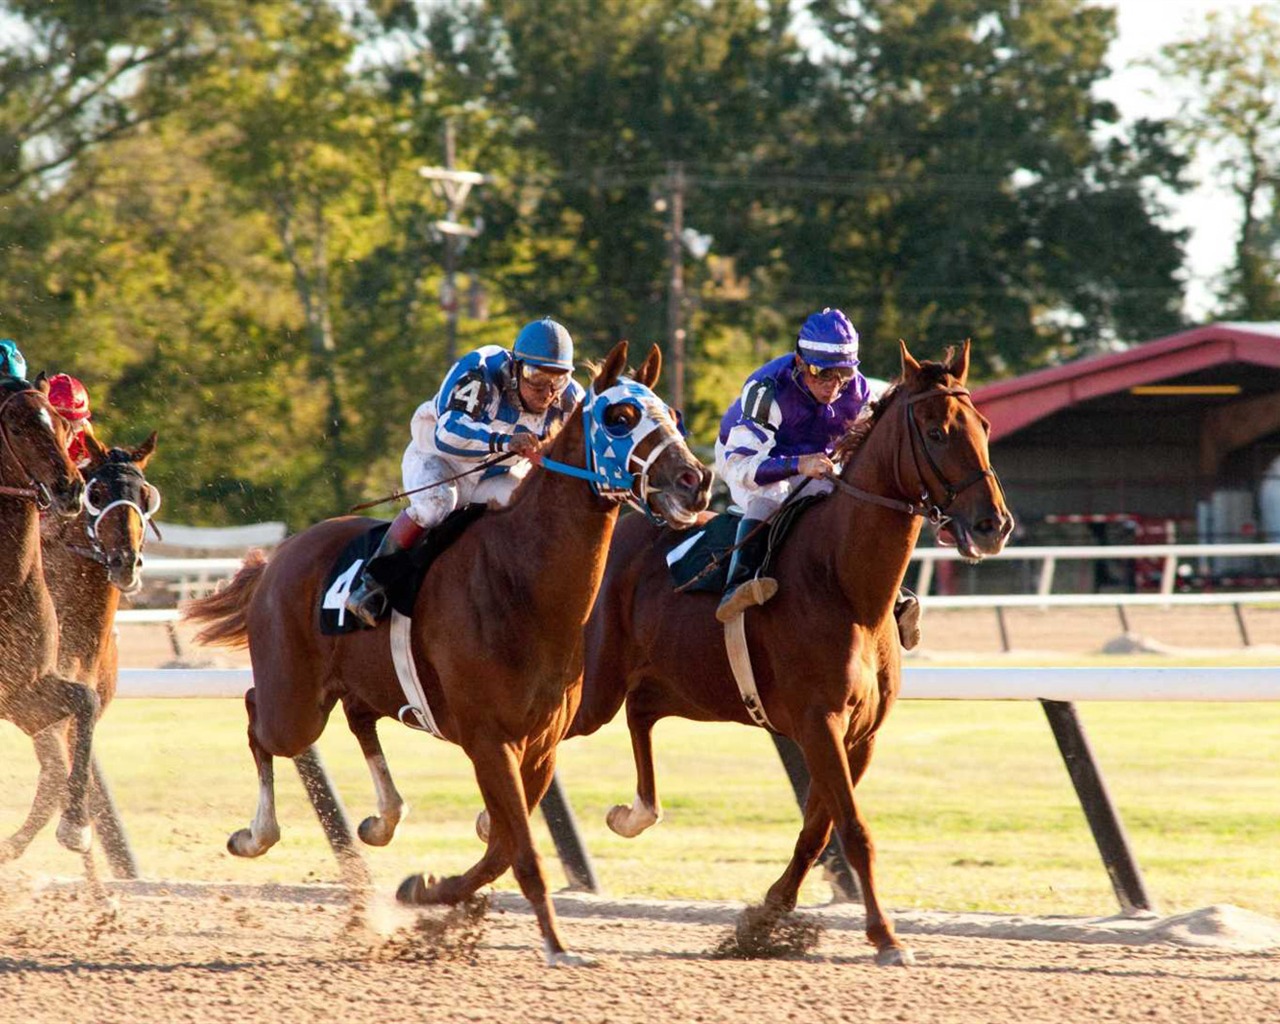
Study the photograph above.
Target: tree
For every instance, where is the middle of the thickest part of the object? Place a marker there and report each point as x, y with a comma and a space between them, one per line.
1232, 110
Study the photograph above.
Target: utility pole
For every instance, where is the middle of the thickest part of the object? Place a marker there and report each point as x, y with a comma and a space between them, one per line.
675, 289
453, 186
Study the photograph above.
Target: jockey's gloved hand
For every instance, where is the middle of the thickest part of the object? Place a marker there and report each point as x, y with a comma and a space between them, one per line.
816, 465
524, 444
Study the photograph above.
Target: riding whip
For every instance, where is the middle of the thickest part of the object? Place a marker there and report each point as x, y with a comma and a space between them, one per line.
397, 495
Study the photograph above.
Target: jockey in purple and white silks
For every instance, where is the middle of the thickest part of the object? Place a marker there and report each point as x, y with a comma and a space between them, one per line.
492, 401
778, 435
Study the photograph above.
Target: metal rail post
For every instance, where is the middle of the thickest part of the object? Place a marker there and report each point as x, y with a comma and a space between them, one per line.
1104, 822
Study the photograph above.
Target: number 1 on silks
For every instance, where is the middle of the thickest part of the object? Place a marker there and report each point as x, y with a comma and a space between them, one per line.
336, 596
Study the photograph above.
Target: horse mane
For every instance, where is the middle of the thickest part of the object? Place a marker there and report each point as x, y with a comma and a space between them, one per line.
931, 373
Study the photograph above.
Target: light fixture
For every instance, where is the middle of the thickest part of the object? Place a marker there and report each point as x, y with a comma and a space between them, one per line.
1185, 389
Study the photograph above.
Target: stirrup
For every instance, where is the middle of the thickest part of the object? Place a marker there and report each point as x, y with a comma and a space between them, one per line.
907, 613
750, 592
368, 604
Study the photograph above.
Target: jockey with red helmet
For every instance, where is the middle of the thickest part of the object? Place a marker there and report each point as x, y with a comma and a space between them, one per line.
778, 435
492, 401
69, 397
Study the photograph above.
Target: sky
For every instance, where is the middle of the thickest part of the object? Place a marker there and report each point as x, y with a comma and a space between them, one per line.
1209, 211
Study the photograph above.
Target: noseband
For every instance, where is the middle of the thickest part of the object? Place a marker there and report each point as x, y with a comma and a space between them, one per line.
934, 512
36, 491
96, 552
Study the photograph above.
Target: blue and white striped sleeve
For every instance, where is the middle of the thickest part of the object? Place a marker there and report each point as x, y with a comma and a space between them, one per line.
465, 408
748, 458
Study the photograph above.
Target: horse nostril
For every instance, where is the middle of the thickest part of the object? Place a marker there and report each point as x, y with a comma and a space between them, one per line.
985, 527
689, 480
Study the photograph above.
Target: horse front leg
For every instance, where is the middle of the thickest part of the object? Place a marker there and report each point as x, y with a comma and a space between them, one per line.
264, 831
833, 771
377, 829
50, 787
645, 811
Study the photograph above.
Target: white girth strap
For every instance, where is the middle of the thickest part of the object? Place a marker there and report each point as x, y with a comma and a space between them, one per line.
735, 642
417, 713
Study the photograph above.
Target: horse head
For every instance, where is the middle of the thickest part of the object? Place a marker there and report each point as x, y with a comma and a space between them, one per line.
33, 448
635, 443
119, 503
946, 465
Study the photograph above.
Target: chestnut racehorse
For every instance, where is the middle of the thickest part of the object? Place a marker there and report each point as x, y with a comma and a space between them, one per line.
496, 634
89, 561
825, 650
36, 474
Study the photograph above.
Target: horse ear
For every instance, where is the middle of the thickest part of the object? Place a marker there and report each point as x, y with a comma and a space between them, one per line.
614, 363
142, 454
959, 365
650, 368
97, 451
41, 382
909, 365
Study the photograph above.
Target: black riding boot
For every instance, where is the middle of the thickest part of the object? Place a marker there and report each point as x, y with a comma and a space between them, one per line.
907, 611
368, 601
745, 587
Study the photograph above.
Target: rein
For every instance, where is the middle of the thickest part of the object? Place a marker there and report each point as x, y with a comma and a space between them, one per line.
397, 495
933, 512
37, 492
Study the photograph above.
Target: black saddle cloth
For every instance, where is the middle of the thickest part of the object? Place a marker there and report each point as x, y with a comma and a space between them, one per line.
701, 561
401, 574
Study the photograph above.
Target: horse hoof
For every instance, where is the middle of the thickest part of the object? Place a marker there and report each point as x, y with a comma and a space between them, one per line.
243, 843
482, 826
895, 956
75, 837
374, 831
629, 822
567, 959
412, 891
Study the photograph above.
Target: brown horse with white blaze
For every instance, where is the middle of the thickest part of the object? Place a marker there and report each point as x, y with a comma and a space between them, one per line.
36, 474
496, 635
89, 561
825, 650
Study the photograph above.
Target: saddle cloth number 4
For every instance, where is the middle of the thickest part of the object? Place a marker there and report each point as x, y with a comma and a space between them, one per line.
335, 597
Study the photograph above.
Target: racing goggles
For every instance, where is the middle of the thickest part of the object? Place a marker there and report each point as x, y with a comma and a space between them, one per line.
830, 374
556, 380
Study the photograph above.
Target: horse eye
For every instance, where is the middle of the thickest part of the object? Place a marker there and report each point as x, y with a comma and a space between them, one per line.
621, 419
98, 493
935, 434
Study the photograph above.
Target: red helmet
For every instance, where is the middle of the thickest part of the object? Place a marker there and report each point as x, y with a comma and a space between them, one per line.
68, 396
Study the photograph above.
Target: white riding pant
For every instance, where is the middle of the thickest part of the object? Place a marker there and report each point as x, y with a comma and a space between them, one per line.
759, 501
428, 508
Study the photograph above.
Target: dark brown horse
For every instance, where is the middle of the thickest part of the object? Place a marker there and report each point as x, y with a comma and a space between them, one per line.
36, 474
825, 650
496, 636
89, 561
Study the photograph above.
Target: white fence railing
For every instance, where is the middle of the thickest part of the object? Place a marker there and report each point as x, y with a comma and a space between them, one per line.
1061, 684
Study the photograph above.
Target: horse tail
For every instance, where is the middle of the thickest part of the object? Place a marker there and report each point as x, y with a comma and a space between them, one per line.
225, 611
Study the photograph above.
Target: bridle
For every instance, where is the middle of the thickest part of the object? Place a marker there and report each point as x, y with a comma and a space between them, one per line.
616, 469
125, 469
36, 491
934, 512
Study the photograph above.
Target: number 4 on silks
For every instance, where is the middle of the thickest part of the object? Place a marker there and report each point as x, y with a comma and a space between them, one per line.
336, 596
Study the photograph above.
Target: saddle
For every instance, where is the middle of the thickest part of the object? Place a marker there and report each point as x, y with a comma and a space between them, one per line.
402, 573
700, 563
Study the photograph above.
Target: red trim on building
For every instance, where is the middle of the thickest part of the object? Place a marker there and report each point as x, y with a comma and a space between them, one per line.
1013, 404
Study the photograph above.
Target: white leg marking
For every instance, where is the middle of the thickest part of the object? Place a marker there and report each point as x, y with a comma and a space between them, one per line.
629, 822
381, 829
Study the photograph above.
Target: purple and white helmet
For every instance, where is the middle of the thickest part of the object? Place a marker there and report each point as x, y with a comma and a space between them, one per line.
828, 339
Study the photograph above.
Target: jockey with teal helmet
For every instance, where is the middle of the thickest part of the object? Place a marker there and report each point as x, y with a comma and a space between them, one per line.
778, 436
493, 401
12, 361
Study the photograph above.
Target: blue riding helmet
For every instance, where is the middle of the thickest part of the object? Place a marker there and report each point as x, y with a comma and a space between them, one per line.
12, 362
828, 339
544, 343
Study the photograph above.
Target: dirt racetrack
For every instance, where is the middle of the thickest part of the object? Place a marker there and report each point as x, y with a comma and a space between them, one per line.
294, 954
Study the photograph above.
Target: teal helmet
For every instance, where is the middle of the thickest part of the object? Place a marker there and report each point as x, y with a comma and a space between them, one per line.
12, 362
544, 343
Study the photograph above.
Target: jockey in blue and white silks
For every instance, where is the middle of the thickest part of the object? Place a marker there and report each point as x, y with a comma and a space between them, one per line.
779, 434
492, 401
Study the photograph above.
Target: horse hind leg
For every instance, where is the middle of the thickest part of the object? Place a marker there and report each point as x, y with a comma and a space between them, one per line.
645, 811
50, 792
377, 829
264, 831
